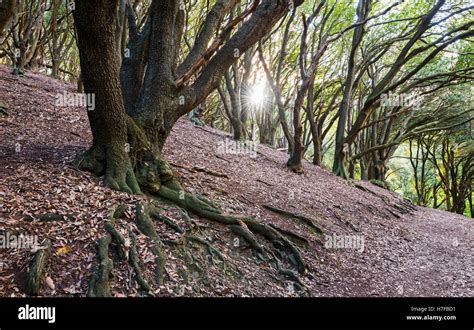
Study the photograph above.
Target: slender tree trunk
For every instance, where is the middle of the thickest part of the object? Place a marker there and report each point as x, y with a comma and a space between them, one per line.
318, 150
470, 203
294, 162
364, 175
55, 68
363, 9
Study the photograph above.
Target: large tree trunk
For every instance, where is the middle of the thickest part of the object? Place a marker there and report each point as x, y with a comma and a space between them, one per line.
127, 141
100, 72
7, 8
139, 101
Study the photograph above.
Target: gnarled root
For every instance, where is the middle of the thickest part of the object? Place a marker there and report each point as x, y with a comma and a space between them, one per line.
212, 250
242, 226
120, 176
134, 261
146, 226
113, 163
155, 213
244, 232
99, 284
93, 160
38, 269
156, 177
307, 221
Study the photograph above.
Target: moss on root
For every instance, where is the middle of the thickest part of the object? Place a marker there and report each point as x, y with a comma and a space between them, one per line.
134, 261
36, 274
147, 227
155, 176
248, 224
99, 284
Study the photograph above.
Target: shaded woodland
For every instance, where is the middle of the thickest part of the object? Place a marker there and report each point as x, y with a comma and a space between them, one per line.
351, 86
375, 96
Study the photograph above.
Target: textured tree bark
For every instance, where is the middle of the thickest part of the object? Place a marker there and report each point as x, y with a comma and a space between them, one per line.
37, 272
7, 7
138, 101
100, 72
235, 92
294, 162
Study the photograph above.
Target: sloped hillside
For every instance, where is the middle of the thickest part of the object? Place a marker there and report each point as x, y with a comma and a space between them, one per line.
407, 250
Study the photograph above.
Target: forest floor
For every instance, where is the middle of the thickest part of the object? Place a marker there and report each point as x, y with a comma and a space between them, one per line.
407, 250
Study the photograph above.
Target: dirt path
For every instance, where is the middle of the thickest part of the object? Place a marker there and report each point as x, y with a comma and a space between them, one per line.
407, 251
421, 253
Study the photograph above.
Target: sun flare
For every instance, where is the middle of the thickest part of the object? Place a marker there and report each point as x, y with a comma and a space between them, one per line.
257, 95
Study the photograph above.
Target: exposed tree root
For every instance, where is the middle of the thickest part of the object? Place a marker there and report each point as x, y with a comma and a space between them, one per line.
216, 174
99, 284
49, 217
186, 217
212, 250
146, 226
244, 232
134, 261
93, 160
290, 234
3, 112
395, 214
37, 271
203, 209
201, 169
112, 163
405, 206
119, 211
155, 213
156, 176
292, 275
122, 177
118, 239
206, 200
307, 221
